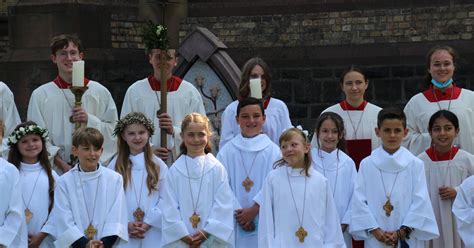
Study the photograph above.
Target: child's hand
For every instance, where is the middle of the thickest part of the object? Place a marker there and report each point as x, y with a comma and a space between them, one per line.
94, 244
391, 238
35, 240
198, 238
447, 193
244, 216
135, 231
187, 239
162, 153
379, 235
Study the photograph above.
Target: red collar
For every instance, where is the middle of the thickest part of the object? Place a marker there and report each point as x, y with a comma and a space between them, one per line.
436, 156
172, 84
62, 84
346, 106
434, 95
266, 102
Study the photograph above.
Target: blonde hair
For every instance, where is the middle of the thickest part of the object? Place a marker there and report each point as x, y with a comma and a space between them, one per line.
287, 135
123, 164
199, 119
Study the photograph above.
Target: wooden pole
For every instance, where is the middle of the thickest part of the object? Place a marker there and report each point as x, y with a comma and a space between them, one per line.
163, 92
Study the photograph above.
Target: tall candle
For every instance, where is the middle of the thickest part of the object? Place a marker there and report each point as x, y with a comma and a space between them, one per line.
256, 88
78, 73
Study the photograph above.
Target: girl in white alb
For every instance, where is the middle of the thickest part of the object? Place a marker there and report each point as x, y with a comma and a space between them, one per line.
29, 154
143, 176
198, 202
298, 208
446, 167
335, 165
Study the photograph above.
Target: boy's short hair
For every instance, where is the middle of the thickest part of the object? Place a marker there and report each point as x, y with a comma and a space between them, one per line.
391, 113
250, 101
87, 136
61, 41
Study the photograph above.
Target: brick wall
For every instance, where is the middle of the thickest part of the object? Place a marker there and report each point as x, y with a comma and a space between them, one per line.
341, 28
4, 45
125, 31
307, 52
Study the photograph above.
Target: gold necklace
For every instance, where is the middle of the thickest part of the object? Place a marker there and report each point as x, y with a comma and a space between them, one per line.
138, 214
90, 231
247, 183
301, 233
28, 213
388, 207
195, 218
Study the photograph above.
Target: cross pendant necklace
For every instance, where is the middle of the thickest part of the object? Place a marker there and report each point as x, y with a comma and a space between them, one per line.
195, 218
90, 231
388, 207
247, 183
301, 233
138, 214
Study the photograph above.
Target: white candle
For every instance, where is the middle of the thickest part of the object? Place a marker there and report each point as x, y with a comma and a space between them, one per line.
78, 73
256, 88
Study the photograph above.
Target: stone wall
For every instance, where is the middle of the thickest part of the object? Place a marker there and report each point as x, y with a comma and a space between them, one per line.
125, 31
4, 39
341, 28
308, 51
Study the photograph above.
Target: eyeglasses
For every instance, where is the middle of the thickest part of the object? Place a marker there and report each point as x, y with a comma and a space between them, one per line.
64, 53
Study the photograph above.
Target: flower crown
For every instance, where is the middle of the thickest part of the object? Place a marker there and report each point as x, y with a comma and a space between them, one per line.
134, 118
155, 36
21, 132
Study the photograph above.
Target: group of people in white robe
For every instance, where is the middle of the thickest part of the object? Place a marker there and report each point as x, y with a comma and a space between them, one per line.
269, 185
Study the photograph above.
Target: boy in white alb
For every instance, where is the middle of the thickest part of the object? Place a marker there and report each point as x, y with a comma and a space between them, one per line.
248, 158
89, 202
52, 104
391, 204
463, 209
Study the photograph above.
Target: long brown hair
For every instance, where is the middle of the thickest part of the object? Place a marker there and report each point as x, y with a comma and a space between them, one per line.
338, 122
15, 157
199, 119
123, 164
287, 135
244, 87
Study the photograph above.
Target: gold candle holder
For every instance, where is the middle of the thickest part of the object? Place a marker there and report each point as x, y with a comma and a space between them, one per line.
78, 93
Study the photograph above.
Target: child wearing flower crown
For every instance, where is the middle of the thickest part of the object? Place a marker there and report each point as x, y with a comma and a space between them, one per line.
298, 208
198, 202
29, 154
332, 161
13, 231
446, 166
143, 177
